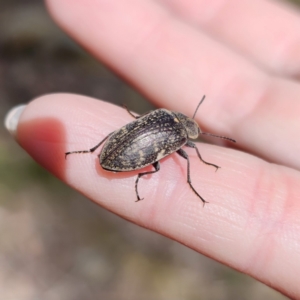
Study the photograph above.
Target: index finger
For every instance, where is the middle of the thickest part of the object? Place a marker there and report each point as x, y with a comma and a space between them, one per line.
250, 224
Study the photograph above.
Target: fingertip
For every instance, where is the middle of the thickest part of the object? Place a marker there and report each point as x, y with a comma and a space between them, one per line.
40, 131
12, 118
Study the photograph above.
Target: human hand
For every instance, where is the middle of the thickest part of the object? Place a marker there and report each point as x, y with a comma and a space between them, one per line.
174, 53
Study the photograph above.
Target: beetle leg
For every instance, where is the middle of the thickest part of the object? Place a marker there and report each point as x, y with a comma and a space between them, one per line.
184, 155
90, 150
156, 165
136, 117
192, 145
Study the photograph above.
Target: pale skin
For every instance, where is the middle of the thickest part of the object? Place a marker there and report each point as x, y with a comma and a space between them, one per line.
245, 57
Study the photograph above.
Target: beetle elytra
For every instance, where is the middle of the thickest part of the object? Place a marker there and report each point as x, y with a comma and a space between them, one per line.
147, 140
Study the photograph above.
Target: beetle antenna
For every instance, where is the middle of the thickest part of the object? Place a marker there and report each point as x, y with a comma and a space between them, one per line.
198, 106
219, 136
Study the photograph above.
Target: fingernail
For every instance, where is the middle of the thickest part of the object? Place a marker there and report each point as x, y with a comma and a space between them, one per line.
12, 119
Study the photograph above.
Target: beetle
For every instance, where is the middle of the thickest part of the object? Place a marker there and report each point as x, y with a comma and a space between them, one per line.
147, 140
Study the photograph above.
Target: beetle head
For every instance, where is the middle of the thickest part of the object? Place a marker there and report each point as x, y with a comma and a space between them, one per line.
190, 125
192, 128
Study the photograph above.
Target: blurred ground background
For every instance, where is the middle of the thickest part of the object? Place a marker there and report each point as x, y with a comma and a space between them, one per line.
54, 243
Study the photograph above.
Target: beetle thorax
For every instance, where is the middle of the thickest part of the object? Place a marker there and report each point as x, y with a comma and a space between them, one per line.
189, 124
